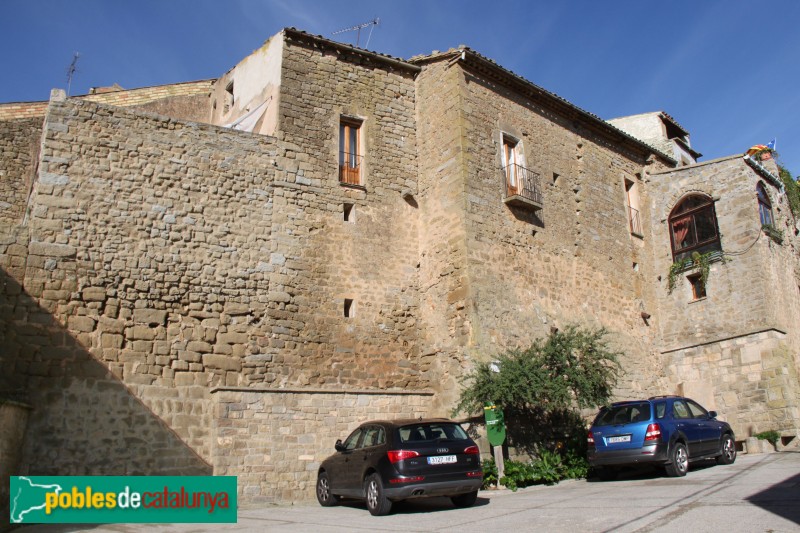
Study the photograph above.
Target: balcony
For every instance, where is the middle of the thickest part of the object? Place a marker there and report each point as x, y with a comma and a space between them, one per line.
636, 222
350, 168
522, 188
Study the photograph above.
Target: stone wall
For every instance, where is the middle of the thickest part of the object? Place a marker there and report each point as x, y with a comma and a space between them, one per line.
147, 272
751, 381
505, 276
736, 349
732, 307
13, 421
19, 149
185, 101
274, 440
321, 259
444, 280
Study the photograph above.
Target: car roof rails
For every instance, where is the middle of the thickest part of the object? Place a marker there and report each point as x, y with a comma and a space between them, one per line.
664, 396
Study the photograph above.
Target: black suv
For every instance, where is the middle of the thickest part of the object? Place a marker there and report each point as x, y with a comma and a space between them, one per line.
383, 462
662, 430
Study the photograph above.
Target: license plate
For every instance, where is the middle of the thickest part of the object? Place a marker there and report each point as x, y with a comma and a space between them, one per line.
621, 438
441, 459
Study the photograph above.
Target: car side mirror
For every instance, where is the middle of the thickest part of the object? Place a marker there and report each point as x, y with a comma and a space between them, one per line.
712, 414
339, 446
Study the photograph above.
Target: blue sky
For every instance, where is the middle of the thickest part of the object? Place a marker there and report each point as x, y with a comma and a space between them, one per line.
727, 70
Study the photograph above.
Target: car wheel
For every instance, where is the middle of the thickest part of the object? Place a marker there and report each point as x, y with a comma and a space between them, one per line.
607, 473
678, 461
377, 502
727, 451
324, 495
465, 500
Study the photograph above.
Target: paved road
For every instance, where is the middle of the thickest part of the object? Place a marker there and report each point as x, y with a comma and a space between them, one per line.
759, 493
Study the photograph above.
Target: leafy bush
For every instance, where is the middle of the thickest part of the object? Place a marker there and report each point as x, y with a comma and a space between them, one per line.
549, 468
573, 368
771, 436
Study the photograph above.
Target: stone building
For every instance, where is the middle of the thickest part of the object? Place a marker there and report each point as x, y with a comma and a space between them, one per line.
224, 276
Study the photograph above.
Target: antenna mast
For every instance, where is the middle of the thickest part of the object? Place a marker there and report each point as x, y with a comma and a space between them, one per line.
374, 22
71, 70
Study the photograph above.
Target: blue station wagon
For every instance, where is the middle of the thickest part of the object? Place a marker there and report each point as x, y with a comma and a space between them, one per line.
669, 431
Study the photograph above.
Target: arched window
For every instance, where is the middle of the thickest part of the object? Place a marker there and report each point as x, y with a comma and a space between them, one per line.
764, 205
693, 227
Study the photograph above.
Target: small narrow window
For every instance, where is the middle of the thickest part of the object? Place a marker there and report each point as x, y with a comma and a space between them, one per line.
348, 308
764, 206
348, 212
228, 97
511, 165
350, 158
634, 217
698, 287
555, 178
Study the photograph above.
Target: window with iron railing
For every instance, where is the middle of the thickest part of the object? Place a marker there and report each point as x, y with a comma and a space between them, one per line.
522, 185
636, 222
351, 161
634, 218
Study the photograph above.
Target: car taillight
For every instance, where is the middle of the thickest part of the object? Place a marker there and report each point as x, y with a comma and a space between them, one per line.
470, 450
477, 473
590, 439
653, 432
401, 455
413, 479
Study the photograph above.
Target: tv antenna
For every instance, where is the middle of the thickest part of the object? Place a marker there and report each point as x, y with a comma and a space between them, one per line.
374, 22
71, 70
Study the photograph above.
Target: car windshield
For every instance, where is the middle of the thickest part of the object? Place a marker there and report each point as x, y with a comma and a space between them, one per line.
623, 414
431, 431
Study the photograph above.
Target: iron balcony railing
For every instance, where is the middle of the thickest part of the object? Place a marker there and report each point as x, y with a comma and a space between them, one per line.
350, 168
524, 183
636, 221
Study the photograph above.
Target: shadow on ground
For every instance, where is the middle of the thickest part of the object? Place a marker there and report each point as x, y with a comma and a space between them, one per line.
782, 499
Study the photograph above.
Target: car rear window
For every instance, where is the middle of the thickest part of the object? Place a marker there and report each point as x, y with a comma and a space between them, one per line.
623, 414
431, 431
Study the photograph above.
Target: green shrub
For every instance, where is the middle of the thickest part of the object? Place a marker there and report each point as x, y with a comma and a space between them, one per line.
547, 469
771, 436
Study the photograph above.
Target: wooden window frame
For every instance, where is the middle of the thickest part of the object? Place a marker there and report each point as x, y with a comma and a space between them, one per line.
511, 164
351, 160
765, 213
698, 289
692, 214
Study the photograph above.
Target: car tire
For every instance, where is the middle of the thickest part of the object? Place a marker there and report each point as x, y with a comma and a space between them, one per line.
727, 450
465, 500
377, 502
678, 461
324, 495
607, 473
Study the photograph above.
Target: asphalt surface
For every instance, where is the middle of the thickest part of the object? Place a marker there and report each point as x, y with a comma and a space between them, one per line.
758, 493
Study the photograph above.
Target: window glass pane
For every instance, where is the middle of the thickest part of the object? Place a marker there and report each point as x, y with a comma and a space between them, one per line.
691, 203
353, 146
342, 140
624, 414
705, 226
697, 411
352, 440
437, 431
661, 409
765, 214
762, 194
679, 410
683, 233
371, 436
